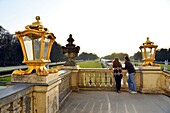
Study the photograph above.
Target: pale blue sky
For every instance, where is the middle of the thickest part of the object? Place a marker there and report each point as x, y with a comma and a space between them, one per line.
98, 26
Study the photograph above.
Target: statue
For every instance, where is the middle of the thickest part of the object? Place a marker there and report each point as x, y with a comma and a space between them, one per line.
166, 65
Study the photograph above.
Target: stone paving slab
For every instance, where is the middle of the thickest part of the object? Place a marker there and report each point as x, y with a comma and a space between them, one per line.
112, 102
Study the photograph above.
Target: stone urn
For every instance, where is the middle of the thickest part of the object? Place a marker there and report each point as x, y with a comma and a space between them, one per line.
70, 51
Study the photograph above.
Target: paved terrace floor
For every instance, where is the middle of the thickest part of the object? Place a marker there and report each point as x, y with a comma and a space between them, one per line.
112, 102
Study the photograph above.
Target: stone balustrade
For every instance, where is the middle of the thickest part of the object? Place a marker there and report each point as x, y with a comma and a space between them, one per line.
29, 98
17, 99
64, 86
44, 94
102, 79
164, 83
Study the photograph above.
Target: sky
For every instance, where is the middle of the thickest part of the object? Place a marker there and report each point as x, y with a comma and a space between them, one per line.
97, 26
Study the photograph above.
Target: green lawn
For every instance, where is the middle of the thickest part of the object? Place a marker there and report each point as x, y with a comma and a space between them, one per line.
162, 67
97, 64
5, 79
90, 64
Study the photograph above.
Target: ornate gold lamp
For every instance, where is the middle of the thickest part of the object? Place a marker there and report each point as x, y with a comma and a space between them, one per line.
36, 43
148, 50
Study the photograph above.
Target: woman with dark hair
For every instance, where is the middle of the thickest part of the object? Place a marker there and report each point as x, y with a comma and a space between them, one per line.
131, 71
117, 72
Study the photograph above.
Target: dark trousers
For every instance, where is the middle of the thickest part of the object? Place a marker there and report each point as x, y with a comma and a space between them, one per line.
118, 79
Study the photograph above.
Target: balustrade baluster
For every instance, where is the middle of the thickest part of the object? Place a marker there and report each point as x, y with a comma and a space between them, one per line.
124, 80
95, 80
80, 76
108, 79
103, 79
167, 83
5, 108
84, 79
112, 81
87, 79
15, 106
137, 79
98, 79
92, 79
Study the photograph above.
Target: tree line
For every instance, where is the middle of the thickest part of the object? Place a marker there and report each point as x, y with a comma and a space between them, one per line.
114, 55
87, 56
11, 52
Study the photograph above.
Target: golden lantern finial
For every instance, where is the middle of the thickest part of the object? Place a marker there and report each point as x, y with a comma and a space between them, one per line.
37, 18
36, 25
37, 22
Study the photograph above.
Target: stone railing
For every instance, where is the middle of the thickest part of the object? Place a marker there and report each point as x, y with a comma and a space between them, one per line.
33, 97
165, 83
36, 97
100, 79
64, 86
16, 99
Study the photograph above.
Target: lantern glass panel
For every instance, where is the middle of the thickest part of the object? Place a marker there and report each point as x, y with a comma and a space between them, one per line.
28, 47
152, 52
37, 46
149, 52
32, 44
47, 41
143, 53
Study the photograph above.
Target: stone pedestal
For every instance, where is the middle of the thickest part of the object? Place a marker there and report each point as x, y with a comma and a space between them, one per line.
45, 91
150, 79
34, 78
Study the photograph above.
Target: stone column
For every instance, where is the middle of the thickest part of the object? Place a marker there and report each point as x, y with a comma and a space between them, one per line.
45, 91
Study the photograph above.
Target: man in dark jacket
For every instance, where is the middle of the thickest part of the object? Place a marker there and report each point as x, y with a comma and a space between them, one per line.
131, 71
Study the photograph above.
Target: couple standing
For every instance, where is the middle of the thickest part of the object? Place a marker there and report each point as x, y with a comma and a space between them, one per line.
117, 72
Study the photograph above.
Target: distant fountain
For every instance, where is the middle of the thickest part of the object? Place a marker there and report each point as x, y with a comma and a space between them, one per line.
166, 65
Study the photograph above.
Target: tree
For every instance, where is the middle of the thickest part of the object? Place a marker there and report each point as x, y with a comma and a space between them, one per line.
114, 55
162, 54
138, 56
10, 50
87, 56
56, 53
168, 56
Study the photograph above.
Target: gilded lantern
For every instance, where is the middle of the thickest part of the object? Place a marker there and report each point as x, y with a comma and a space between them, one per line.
148, 50
36, 43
